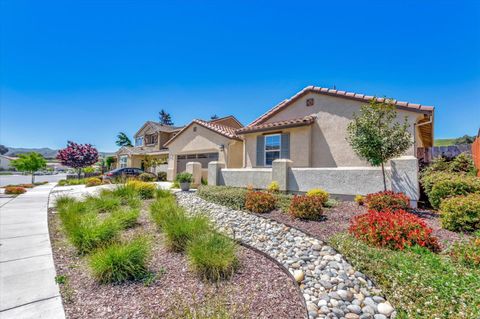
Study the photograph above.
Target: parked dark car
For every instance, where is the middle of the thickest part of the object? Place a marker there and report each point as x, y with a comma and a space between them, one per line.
124, 172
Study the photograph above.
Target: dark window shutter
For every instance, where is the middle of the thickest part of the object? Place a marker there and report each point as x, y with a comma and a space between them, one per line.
260, 150
285, 151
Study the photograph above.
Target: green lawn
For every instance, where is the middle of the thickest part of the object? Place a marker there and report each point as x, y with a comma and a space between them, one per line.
420, 284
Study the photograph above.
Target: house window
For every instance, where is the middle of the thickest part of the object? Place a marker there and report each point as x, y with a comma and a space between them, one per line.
123, 161
272, 148
151, 139
139, 141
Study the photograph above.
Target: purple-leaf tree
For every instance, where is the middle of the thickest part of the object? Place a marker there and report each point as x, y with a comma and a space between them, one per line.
78, 156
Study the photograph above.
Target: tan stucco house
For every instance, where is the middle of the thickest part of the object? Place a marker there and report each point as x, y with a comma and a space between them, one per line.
310, 129
150, 141
203, 142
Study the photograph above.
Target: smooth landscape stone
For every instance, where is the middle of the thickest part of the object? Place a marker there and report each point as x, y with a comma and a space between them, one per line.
331, 287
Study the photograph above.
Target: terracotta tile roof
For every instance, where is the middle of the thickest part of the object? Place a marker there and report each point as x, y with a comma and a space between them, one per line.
301, 121
139, 150
224, 130
337, 93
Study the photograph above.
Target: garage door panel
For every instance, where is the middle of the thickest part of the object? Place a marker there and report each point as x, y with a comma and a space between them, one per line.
202, 158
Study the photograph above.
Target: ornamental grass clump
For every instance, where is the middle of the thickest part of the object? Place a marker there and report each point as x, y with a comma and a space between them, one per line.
260, 202
127, 195
14, 190
121, 262
306, 207
103, 204
180, 229
126, 218
461, 213
93, 181
144, 189
387, 200
213, 256
161, 209
393, 229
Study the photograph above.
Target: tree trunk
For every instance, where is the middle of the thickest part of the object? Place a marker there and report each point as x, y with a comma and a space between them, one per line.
79, 173
33, 177
384, 179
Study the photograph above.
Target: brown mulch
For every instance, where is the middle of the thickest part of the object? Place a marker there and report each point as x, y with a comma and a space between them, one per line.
259, 289
337, 219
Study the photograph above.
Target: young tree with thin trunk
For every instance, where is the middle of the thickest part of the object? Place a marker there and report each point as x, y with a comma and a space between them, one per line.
376, 136
78, 156
29, 162
123, 140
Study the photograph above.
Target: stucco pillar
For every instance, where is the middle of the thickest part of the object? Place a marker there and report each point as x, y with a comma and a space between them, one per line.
405, 177
215, 172
195, 168
280, 169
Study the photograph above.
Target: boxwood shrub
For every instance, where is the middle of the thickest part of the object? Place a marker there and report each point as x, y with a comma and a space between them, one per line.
453, 186
461, 213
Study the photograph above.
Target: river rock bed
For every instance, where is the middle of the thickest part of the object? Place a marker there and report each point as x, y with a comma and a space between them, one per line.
332, 288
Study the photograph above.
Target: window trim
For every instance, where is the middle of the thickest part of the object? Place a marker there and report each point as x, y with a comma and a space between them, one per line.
140, 138
265, 147
122, 162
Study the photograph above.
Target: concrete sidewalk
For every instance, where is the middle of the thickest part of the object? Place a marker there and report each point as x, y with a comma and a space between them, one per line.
27, 271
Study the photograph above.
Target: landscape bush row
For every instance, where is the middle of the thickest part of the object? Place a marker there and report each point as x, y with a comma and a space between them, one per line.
309, 206
210, 254
453, 188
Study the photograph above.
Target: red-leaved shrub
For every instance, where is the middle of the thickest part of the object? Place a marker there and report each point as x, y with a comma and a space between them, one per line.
259, 202
307, 207
387, 200
394, 230
14, 190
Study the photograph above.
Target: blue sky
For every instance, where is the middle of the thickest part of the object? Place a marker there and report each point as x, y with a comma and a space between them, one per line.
85, 70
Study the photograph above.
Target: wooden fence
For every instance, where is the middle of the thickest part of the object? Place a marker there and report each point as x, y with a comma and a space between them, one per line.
427, 154
476, 153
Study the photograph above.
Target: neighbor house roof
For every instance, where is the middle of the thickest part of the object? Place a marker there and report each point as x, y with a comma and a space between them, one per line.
158, 127
343, 94
140, 150
301, 121
228, 117
224, 130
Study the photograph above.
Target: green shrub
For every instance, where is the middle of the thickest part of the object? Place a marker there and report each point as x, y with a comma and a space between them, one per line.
320, 193
306, 207
127, 194
147, 177
184, 177
180, 229
259, 202
144, 189
456, 185
162, 176
424, 284
93, 181
213, 256
283, 201
463, 164
387, 201
429, 180
71, 182
231, 197
461, 213
121, 262
163, 193
273, 187
126, 218
467, 252
63, 201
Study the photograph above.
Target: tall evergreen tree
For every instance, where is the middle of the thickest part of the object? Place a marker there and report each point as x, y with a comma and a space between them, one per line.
123, 140
165, 118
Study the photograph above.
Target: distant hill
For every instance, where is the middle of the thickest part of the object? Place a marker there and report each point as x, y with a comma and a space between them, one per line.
44, 151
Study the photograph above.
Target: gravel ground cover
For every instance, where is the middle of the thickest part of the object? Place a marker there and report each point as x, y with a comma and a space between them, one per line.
260, 289
331, 287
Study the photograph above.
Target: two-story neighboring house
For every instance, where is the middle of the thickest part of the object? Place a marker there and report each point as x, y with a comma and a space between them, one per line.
150, 142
